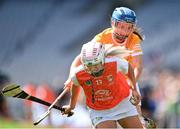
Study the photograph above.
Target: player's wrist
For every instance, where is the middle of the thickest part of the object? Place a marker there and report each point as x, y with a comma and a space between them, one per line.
132, 88
71, 106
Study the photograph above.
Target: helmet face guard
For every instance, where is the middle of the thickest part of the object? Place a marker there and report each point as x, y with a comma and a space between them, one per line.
95, 70
92, 58
121, 30
123, 21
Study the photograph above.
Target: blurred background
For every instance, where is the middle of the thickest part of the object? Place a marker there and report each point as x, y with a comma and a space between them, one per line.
40, 38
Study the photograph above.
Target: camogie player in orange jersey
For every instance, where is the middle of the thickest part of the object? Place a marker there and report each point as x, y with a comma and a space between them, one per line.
124, 33
107, 92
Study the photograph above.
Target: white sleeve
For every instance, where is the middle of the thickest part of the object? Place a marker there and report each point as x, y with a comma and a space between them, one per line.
73, 77
122, 66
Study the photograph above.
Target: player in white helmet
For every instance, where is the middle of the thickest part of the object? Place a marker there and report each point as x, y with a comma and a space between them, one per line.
104, 81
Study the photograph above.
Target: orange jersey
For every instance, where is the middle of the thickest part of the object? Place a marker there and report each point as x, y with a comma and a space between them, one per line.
132, 43
109, 89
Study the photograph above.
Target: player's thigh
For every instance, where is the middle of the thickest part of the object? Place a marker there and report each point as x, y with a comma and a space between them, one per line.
107, 124
130, 122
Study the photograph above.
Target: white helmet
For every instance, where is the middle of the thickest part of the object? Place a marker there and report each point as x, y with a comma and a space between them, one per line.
93, 53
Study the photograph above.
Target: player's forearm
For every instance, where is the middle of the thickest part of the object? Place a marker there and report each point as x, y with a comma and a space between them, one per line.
138, 66
137, 73
74, 96
131, 76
